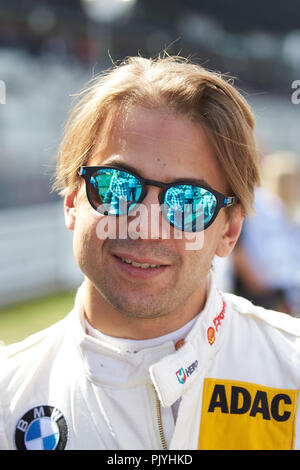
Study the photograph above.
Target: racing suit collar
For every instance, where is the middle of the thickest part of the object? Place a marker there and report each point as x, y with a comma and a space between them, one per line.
175, 373
171, 371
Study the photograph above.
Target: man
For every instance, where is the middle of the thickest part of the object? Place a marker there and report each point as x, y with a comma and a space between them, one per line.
154, 356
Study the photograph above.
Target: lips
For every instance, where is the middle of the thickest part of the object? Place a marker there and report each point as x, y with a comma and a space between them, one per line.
140, 262
140, 265
141, 268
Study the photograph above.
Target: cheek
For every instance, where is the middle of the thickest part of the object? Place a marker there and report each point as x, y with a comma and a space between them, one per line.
197, 250
215, 231
87, 246
200, 243
194, 254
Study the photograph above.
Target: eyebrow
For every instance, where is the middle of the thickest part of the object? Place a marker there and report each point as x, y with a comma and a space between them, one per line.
125, 166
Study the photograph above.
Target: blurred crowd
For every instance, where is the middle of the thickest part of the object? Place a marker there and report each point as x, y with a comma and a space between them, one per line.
265, 264
39, 35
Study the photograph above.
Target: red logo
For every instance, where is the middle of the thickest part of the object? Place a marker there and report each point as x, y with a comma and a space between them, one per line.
217, 321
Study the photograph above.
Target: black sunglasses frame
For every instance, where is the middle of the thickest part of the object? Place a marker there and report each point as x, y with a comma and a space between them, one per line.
222, 201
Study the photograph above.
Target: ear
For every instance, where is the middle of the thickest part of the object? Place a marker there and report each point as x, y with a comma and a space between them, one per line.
231, 232
70, 210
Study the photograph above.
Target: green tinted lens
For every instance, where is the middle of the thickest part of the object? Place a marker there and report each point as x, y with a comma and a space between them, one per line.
114, 192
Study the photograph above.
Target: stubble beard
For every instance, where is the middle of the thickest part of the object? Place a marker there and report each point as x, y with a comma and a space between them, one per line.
133, 300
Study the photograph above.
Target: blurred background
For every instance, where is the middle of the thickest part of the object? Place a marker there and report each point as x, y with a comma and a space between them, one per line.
49, 49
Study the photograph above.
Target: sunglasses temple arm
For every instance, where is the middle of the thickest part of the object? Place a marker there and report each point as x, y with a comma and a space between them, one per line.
81, 171
229, 201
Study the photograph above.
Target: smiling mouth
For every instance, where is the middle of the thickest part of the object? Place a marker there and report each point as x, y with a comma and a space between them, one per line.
140, 265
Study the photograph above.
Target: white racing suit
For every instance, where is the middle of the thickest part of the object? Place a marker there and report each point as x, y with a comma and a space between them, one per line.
236, 377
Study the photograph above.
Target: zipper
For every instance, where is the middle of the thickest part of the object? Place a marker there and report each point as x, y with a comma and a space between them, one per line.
159, 421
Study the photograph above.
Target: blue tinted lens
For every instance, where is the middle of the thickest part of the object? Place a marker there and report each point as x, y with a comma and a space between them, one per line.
114, 192
189, 208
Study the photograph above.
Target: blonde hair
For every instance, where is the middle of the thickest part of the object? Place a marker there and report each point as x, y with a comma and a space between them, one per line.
180, 86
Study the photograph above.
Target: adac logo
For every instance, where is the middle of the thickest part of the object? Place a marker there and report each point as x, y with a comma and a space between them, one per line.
181, 375
41, 428
258, 417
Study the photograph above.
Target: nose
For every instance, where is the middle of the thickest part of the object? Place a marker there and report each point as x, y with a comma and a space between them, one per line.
145, 221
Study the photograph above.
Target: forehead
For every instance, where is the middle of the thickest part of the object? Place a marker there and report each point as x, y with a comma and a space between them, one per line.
162, 129
161, 145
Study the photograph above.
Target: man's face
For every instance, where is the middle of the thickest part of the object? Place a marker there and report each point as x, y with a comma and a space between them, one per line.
163, 147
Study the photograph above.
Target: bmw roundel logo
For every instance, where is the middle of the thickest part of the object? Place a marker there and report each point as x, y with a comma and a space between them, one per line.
41, 428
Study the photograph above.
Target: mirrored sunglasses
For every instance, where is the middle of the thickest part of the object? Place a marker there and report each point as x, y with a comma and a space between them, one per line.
187, 206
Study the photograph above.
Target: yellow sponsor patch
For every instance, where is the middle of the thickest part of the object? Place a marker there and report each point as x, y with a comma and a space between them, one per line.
244, 416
